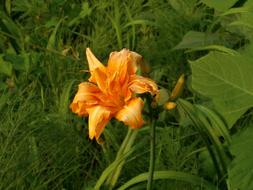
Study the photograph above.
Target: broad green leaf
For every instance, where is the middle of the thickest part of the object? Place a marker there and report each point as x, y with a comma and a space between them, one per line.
173, 175
244, 21
220, 5
240, 172
217, 123
5, 66
227, 80
214, 47
194, 39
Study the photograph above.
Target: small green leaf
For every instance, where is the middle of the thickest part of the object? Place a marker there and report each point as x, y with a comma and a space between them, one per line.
3, 100
86, 10
64, 98
5, 66
10, 27
51, 45
194, 39
140, 22
220, 5
20, 62
163, 96
8, 6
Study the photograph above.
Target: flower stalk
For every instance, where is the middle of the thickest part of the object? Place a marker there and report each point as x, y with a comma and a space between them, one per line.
124, 148
152, 145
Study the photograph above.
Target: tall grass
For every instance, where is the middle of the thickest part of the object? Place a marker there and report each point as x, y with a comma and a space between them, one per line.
43, 145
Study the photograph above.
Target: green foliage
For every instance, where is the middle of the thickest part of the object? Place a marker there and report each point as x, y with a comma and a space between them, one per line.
194, 39
169, 175
210, 128
226, 79
42, 60
5, 66
240, 171
219, 5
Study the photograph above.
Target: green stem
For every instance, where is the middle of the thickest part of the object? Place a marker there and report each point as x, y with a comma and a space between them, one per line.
124, 148
116, 175
152, 155
124, 143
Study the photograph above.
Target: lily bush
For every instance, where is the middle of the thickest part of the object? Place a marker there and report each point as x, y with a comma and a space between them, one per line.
166, 103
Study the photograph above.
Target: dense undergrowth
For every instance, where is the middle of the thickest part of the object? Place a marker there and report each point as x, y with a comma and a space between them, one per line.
42, 60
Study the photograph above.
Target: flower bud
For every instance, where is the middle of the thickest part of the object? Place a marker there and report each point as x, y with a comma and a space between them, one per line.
178, 88
170, 105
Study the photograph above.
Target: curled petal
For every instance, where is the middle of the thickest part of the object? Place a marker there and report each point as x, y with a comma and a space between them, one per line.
131, 113
86, 96
79, 108
124, 63
136, 59
117, 64
98, 117
139, 85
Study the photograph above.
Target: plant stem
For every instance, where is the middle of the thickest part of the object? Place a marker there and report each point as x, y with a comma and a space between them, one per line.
152, 155
124, 148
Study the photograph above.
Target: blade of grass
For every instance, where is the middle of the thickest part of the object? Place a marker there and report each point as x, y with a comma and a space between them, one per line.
172, 175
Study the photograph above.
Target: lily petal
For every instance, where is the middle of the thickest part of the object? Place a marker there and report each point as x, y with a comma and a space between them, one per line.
98, 117
97, 70
86, 96
131, 113
139, 85
124, 62
93, 62
117, 64
136, 59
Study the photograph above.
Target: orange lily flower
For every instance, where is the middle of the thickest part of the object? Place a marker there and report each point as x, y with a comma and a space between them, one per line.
111, 90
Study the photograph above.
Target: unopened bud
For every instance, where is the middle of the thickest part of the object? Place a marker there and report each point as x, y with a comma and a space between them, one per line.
170, 105
178, 88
